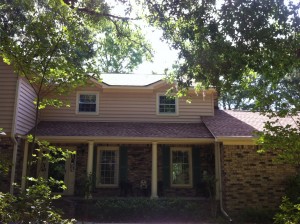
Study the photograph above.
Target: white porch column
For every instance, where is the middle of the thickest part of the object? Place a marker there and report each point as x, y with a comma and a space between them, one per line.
217, 169
154, 171
90, 158
24, 168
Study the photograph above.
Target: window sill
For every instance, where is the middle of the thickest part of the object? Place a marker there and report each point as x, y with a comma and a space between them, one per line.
167, 114
87, 113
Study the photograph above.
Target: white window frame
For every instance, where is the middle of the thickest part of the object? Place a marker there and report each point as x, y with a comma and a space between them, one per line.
176, 113
184, 149
98, 172
87, 93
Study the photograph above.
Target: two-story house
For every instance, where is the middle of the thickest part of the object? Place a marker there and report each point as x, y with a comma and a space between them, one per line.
132, 139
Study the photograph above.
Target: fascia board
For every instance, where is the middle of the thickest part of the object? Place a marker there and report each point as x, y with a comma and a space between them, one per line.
80, 139
240, 140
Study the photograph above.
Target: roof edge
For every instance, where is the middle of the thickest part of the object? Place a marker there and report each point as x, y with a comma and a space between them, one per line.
80, 139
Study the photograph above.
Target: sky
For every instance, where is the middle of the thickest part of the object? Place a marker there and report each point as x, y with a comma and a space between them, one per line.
164, 57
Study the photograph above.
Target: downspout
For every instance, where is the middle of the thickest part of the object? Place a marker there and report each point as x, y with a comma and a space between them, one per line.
220, 175
14, 139
221, 190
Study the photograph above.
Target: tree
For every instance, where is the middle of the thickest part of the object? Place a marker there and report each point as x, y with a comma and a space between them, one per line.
118, 56
242, 46
248, 50
53, 45
234, 42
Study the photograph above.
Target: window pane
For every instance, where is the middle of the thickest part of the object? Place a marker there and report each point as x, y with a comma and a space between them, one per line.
167, 104
108, 164
87, 103
180, 167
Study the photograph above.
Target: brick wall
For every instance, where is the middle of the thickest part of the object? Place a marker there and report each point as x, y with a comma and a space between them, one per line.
139, 164
252, 180
139, 168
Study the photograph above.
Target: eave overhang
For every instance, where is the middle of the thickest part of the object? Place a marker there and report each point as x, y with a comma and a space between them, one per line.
237, 140
123, 140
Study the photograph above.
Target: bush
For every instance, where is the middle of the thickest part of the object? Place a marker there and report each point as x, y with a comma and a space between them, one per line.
292, 189
33, 206
289, 212
255, 215
142, 209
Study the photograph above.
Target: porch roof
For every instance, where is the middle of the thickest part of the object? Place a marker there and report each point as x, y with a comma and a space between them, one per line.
231, 123
123, 129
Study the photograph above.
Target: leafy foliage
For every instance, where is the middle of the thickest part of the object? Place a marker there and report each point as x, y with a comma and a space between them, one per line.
4, 167
52, 43
116, 55
35, 204
142, 209
58, 46
293, 189
44, 150
255, 215
282, 139
290, 206
233, 43
32, 206
46, 42
289, 213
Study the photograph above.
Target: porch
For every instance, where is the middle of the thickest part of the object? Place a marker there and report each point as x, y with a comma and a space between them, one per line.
134, 159
176, 170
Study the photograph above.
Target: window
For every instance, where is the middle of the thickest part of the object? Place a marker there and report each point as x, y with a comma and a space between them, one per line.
167, 105
107, 166
181, 167
87, 102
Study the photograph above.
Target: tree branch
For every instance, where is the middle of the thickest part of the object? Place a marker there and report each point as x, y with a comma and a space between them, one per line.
98, 14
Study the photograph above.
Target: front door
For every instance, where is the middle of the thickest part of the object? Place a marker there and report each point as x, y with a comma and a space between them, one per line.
62, 170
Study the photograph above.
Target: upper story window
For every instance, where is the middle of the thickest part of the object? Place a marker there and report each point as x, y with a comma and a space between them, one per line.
167, 105
87, 103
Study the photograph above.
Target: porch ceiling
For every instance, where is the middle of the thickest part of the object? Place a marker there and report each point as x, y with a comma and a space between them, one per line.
123, 129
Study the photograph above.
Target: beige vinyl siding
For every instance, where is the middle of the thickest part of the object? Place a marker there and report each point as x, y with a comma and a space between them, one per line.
131, 107
25, 116
8, 83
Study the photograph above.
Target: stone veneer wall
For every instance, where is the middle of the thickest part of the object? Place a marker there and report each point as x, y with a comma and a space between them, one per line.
251, 180
6, 151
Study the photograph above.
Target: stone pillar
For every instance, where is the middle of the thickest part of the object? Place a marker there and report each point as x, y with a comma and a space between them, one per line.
154, 171
90, 158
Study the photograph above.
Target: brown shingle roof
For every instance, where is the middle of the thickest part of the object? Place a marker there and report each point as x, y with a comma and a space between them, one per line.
123, 129
230, 123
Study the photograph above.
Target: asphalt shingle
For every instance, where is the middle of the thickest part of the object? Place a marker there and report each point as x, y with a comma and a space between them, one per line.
230, 123
123, 129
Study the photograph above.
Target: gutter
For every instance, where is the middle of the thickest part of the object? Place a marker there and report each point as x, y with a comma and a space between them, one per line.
14, 139
220, 175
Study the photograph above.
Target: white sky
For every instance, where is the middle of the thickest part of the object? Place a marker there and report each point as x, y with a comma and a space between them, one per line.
164, 57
